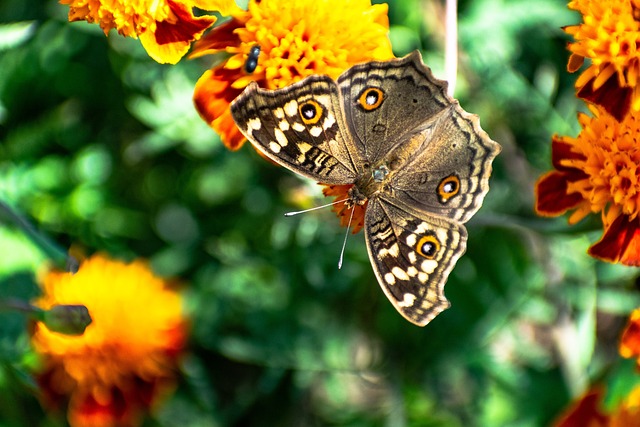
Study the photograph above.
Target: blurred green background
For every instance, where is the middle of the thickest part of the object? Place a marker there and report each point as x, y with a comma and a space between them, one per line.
101, 148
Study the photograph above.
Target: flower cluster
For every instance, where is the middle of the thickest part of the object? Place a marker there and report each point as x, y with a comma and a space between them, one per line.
127, 357
597, 172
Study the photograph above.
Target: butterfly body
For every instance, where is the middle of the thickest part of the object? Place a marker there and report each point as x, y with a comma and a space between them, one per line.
418, 163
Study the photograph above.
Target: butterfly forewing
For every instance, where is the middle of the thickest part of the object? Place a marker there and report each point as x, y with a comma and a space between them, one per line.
300, 127
412, 255
409, 97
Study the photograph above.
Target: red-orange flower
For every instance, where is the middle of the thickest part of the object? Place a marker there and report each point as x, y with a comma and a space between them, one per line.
598, 172
166, 28
296, 39
127, 357
608, 36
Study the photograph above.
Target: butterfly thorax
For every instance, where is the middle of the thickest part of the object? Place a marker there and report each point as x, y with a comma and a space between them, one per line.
369, 184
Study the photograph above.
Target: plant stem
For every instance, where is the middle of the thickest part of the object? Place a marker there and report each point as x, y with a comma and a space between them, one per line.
59, 256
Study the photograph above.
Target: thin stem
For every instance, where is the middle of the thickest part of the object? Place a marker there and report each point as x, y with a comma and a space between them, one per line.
59, 256
451, 45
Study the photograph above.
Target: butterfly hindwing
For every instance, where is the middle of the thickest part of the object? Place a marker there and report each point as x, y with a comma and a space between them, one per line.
412, 255
448, 174
300, 127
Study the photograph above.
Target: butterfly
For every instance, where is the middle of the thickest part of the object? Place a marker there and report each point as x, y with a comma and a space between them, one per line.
417, 162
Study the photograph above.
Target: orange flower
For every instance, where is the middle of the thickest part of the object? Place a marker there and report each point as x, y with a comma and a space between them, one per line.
598, 172
127, 357
296, 39
166, 27
608, 36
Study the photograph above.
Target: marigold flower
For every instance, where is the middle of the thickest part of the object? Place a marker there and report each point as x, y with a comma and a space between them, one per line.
166, 28
608, 36
296, 39
127, 357
598, 172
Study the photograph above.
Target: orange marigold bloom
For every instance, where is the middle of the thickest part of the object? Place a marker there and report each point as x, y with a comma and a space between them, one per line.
127, 357
608, 36
166, 28
598, 172
296, 39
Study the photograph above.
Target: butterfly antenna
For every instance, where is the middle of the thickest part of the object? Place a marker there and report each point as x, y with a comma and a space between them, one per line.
344, 244
315, 208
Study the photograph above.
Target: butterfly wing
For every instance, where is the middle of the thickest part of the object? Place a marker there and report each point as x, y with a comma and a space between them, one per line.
300, 127
401, 116
409, 98
412, 255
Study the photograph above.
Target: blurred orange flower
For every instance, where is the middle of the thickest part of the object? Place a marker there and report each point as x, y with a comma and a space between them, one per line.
598, 172
166, 28
588, 411
126, 359
630, 342
608, 36
296, 39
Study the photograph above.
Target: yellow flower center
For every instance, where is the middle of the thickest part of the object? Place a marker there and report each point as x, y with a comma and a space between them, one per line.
298, 39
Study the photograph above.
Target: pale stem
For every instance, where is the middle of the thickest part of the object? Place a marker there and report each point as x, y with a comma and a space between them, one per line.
451, 45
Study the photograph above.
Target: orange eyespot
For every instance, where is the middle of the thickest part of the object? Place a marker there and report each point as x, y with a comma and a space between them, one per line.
448, 187
428, 246
310, 112
371, 98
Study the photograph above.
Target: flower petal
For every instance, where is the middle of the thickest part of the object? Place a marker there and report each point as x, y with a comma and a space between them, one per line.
575, 62
620, 242
218, 39
212, 95
585, 412
172, 38
561, 150
551, 194
616, 100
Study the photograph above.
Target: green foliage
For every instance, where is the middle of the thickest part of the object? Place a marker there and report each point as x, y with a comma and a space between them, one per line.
102, 150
